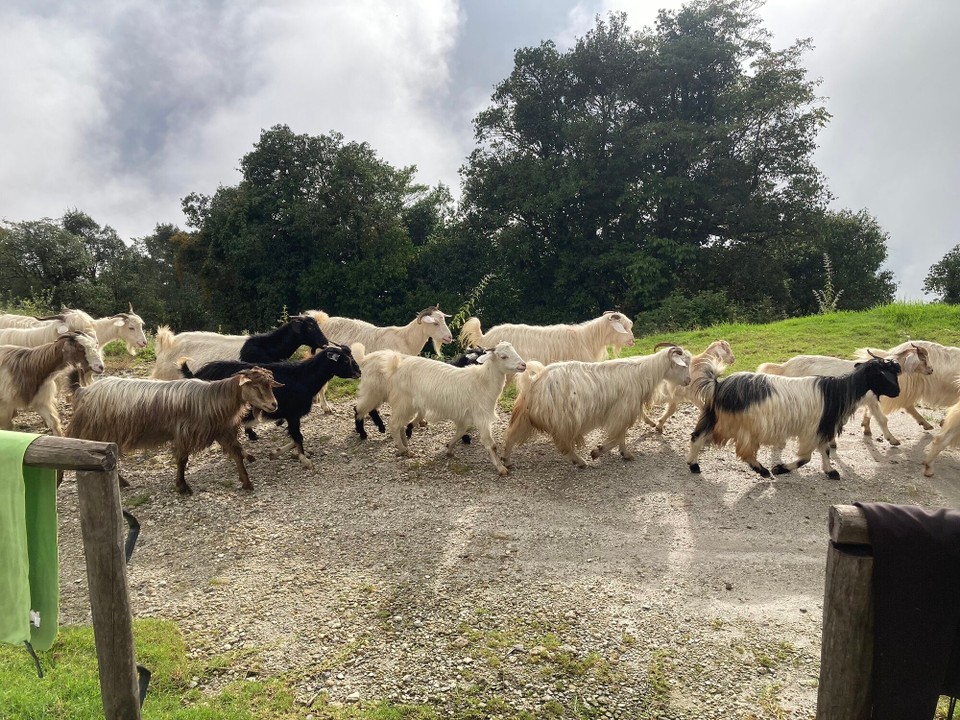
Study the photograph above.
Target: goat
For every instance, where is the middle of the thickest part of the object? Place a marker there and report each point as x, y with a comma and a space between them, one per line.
429, 324
191, 414
936, 388
27, 376
300, 383
568, 399
75, 320
375, 389
438, 391
949, 435
40, 334
126, 326
676, 394
914, 360
754, 409
587, 341
204, 347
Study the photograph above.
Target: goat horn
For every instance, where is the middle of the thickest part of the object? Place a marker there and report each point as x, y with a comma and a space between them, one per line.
871, 354
664, 344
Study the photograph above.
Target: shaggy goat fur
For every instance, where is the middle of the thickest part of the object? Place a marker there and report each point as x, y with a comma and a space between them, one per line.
567, 400
126, 326
587, 341
913, 360
936, 389
754, 409
27, 376
467, 396
949, 436
75, 320
429, 324
676, 394
190, 414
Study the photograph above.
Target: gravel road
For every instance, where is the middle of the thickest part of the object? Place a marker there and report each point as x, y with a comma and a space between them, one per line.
624, 590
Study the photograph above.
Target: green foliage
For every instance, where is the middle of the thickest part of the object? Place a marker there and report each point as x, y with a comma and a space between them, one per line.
943, 278
464, 312
828, 297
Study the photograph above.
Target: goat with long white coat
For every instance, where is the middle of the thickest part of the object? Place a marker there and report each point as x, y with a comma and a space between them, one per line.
126, 326
754, 409
27, 376
587, 341
936, 389
190, 414
568, 399
467, 396
204, 347
74, 320
677, 394
429, 324
914, 360
39, 335
949, 436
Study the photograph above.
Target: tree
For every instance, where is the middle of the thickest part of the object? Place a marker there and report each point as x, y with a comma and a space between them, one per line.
943, 278
640, 165
315, 222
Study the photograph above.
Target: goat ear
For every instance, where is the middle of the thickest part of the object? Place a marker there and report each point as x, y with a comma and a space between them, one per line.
677, 357
483, 358
244, 379
616, 324
429, 319
333, 354
119, 322
62, 328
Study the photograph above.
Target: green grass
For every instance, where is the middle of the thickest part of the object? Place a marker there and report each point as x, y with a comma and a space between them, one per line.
837, 334
70, 689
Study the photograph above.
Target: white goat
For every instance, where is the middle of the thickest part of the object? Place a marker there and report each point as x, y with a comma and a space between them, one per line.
675, 394
567, 400
914, 360
587, 341
429, 324
126, 326
948, 436
40, 335
936, 389
421, 387
754, 409
27, 376
75, 320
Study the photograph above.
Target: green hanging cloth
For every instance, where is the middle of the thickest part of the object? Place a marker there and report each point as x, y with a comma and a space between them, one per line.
29, 564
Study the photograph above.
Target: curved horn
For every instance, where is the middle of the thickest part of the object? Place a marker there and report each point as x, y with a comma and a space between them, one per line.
871, 354
664, 344
130, 305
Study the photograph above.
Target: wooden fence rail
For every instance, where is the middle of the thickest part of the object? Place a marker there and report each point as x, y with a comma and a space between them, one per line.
101, 525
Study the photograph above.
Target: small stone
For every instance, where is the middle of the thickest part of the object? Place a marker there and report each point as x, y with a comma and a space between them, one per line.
353, 697
729, 586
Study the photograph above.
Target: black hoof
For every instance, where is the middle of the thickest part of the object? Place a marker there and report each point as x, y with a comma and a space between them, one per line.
251, 434
833, 475
185, 490
780, 469
465, 439
363, 434
409, 430
695, 468
762, 471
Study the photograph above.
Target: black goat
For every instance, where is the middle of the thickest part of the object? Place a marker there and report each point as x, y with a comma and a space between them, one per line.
281, 343
301, 382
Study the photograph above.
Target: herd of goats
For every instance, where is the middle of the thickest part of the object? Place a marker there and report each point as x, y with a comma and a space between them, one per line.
206, 385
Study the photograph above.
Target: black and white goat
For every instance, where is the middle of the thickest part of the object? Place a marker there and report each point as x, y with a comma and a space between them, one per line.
301, 381
753, 409
205, 347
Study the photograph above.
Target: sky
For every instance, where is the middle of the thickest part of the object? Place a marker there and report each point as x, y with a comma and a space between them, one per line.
121, 108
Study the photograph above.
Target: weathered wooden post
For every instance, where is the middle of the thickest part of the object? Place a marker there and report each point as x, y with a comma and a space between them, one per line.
101, 525
846, 654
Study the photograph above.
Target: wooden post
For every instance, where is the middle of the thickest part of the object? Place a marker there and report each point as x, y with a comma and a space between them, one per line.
846, 654
101, 525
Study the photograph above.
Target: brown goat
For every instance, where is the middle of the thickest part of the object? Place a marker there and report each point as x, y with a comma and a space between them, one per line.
27, 376
190, 414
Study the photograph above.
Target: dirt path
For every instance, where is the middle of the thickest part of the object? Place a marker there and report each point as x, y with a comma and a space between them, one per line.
624, 590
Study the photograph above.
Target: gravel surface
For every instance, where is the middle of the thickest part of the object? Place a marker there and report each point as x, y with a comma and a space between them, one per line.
624, 590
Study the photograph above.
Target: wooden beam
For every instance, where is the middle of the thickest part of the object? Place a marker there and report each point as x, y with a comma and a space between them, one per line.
102, 529
848, 525
64, 453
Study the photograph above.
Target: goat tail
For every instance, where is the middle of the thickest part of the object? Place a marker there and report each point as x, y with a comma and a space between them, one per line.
704, 385
771, 368
359, 351
319, 315
164, 338
470, 333
526, 378
184, 370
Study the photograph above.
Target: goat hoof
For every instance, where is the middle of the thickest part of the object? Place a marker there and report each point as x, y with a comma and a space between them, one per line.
659, 429
926, 426
779, 469
184, 489
465, 439
694, 468
628, 456
595, 453
893, 441
762, 472
927, 470
247, 488
833, 475
306, 462
249, 457
503, 471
